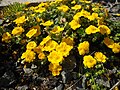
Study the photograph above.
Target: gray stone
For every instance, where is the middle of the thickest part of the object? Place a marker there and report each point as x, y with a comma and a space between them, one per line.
7, 79
7, 2
28, 71
60, 87
25, 87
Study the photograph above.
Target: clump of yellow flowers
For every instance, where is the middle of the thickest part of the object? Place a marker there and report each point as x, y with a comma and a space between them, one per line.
90, 61
55, 30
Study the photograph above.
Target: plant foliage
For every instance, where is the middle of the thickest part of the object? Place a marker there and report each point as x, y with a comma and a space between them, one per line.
72, 36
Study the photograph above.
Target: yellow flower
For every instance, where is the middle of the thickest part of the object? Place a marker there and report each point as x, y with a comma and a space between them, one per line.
31, 33
74, 24
38, 19
95, 8
57, 29
68, 41
100, 57
89, 61
64, 49
77, 16
32, 15
83, 48
31, 45
104, 29
17, 31
29, 56
33, 8
52, 3
45, 40
42, 4
85, 1
47, 23
76, 7
50, 45
38, 30
108, 42
38, 49
20, 20
55, 69
40, 10
91, 29
6, 36
41, 56
116, 48
73, 2
82, 52
93, 16
55, 57
100, 21
84, 13
58, 0
63, 8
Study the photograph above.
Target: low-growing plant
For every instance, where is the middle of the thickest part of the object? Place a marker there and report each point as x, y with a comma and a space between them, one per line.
66, 35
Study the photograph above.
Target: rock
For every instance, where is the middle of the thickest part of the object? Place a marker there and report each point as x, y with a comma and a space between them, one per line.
115, 8
7, 79
25, 87
63, 73
60, 87
102, 82
33, 66
28, 71
7, 2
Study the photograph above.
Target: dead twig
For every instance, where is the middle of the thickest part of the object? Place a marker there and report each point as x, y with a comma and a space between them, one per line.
118, 83
69, 88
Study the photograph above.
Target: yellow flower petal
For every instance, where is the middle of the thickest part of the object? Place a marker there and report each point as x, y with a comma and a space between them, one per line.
89, 61
47, 23
116, 48
20, 20
74, 24
17, 31
63, 8
91, 29
31, 33
6, 36
31, 45
100, 57
76, 7
55, 57
28, 56
108, 42
104, 29
83, 48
